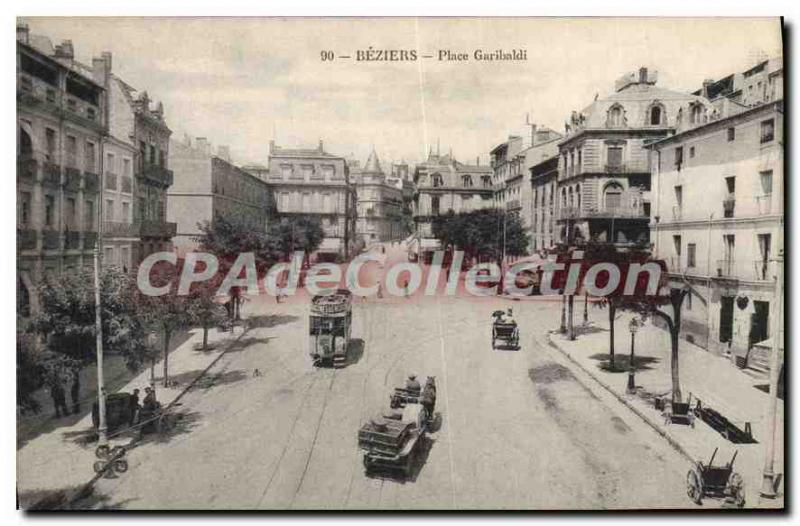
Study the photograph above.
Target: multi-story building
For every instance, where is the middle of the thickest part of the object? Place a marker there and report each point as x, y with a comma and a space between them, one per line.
380, 203
507, 173
444, 184
604, 167
61, 123
316, 183
718, 216
538, 194
206, 186
259, 170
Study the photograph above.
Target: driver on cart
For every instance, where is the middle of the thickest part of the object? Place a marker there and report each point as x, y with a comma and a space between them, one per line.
412, 385
508, 317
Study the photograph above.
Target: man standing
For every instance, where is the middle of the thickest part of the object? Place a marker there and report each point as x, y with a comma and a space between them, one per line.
59, 398
74, 392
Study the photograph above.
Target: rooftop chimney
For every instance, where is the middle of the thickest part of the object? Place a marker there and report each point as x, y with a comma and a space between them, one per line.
643, 75
22, 33
321, 149
65, 51
224, 153
201, 145
101, 68
533, 134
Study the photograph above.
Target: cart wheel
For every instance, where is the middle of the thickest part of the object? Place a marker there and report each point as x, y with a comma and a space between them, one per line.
736, 489
116, 450
694, 488
121, 465
102, 451
99, 466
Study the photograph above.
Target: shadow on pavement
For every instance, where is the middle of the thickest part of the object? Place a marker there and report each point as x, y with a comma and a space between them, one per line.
59, 499
417, 462
622, 362
355, 350
271, 320
215, 380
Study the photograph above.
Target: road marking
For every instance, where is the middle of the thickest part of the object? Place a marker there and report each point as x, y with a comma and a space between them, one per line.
449, 411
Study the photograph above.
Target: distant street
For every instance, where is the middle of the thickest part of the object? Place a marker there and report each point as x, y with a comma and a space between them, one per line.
515, 428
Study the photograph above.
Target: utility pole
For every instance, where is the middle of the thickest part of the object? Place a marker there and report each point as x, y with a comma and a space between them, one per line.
101, 394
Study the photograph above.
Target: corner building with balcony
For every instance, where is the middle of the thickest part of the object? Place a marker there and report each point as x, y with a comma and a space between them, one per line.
61, 125
718, 211
313, 182
603, 191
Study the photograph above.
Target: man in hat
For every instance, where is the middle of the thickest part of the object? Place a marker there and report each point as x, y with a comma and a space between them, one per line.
412, 385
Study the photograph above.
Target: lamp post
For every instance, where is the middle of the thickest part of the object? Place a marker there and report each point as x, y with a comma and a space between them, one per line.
152, 341
633, 326
102, 427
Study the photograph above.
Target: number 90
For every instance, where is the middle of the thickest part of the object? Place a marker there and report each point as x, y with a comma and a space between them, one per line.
326, 55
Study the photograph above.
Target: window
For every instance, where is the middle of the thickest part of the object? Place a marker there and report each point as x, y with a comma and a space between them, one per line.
679, 195
678, 157
614, 156
730, 184
655, 116
615, 116
49, 210
729, 244
109, 209
69, 218
108, 256
691, 152
125, 258
698, 111
767, 130
731, 134
435, 206
612, 196
691, 255
110, 163
126, 212
126, 167
286, 170
50, 145
766, 182
676, 243
88, 218
466, 179
91, 158
72, 151
437, 180
24, 208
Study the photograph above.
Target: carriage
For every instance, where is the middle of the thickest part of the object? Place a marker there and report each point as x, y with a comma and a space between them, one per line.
715, 481
504, 331
330, 319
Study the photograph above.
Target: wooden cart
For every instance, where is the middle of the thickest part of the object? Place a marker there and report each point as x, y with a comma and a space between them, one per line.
392, 441
715, 481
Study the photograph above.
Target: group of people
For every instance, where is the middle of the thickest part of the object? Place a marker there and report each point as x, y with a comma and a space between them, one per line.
143, 413
427, 395
59, 395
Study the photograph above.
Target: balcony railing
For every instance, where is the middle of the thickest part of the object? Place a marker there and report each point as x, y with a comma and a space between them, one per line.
26, 168
72, 240
157, 229
91, 182
513, 204
764, 203
26, 239
764, 270
89, 240
626, 212
725, 268
52, 174
73, 179
157, 174
728, 206
121, 229
51, 239
568, 212
625, 168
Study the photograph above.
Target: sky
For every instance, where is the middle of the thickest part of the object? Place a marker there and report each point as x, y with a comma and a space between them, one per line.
242, 82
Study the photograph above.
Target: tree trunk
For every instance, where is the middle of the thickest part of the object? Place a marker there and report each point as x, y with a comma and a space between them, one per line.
570, 317
563, 327
674, 334
205, 337
166, 358
612, 311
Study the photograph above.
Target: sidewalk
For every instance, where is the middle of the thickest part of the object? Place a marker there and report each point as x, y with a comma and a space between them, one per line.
714, 379
57, 458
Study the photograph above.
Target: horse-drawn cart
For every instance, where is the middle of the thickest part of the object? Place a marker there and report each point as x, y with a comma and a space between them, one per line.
504, 330
392, 441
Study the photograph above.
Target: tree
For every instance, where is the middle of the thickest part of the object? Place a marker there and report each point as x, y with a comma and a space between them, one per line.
168, 313
203, 308
66, 322
485, 234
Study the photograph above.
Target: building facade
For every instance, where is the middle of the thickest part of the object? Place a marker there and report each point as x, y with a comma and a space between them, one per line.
61, 123
603, 190
379, 207
206, 186
443, 185
315, 183
718, 219
541, 163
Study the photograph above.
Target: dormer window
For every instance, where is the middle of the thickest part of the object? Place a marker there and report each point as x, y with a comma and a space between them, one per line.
697, 114
616, 117
466, 180
656, 115
436, 180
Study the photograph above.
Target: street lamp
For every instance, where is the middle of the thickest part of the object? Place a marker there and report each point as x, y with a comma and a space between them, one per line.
633, 326
152, 342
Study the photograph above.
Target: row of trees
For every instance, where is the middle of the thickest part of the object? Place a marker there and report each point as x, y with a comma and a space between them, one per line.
60, 340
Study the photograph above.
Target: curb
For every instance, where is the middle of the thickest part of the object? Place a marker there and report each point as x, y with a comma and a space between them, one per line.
647, 420
85, 490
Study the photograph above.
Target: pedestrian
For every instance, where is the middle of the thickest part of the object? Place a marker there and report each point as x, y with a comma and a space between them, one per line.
59, 398
134, 407
412, 385
380, 290
74, 392
407, 291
